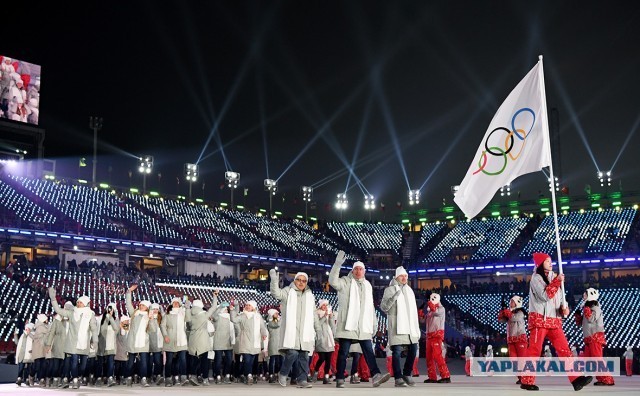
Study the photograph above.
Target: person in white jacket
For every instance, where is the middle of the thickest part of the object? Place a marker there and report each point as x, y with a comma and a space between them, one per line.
298, 326
23, 352
356, 319
83, 334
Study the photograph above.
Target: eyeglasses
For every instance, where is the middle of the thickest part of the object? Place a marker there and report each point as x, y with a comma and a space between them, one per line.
301, 280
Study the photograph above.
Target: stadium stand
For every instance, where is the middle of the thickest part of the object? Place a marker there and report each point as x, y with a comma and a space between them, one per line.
370, 236
489, 239
597, 231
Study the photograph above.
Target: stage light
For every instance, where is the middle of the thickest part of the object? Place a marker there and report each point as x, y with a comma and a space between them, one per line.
369, 203
505, 190
145, 164
191, 172
605, 178
307, 193
271, 186
414, 197
555, 184
341, 202
232, 179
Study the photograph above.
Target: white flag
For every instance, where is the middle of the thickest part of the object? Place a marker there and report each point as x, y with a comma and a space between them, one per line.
516, 143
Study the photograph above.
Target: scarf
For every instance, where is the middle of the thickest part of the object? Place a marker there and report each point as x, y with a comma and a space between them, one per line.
210, 329
82, 315
407, 313
232, 330
180, 332
28, 345
328, 340
291, 317
141, 331
256, 328
110, 338
353, 310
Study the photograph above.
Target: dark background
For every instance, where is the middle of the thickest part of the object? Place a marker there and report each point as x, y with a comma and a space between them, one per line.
302, 90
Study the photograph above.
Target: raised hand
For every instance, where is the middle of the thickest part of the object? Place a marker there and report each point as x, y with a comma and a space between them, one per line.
133, 287
340, 258
273, 274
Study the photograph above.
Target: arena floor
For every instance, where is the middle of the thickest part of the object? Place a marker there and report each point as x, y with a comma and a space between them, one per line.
461, 385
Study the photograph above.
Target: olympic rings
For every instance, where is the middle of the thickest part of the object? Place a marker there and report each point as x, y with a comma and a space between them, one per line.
509, 142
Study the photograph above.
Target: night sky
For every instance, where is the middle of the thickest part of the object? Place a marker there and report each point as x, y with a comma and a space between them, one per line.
302, 90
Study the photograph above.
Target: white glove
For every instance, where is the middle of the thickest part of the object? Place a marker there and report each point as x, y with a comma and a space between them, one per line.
340, 258
273, 273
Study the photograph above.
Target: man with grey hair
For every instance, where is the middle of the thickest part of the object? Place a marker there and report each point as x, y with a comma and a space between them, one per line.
399, 303
298, 332
356, 318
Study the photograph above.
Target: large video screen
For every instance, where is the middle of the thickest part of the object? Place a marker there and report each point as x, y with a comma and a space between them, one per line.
19, 90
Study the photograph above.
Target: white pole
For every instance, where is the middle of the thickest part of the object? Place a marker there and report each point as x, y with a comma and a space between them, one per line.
545, 127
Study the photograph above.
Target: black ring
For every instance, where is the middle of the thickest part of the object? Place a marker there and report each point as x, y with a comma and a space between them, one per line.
486, 142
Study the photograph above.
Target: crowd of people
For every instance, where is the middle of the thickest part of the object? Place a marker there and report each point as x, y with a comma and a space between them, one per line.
19, 91
184, 342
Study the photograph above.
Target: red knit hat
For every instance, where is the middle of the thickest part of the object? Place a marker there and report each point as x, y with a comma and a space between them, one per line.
539, 258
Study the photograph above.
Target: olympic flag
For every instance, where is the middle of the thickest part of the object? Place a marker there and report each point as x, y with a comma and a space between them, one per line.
516, 143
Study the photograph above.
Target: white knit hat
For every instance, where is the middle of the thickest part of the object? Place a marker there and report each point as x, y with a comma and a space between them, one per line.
155, 306
42, 318
302, 274
401, 271
176, 299
29, 326
272, 312
85, 300
358, 264
68, 305
146, 303
252, 303
198, 303
323, 302
124, 318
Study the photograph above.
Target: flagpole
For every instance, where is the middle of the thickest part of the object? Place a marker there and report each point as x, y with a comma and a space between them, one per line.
552, 184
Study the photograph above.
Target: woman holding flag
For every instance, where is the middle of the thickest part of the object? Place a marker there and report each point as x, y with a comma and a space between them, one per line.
546, 309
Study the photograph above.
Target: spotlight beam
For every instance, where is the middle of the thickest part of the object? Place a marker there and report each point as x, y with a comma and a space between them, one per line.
327, 136
195, 52
263, 124
251, 54
175, 56
361, 132
324, 127
634, 128
388, 119
574, 116
381, 155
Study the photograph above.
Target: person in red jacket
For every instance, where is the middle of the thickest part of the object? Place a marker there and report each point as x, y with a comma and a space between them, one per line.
517, 340
546, 310
435, 336
593, 330
628, 360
